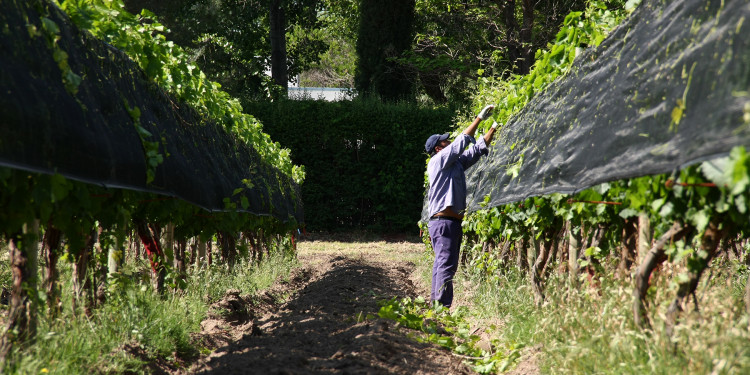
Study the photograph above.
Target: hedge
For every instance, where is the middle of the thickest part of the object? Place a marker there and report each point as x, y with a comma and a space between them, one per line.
364, 160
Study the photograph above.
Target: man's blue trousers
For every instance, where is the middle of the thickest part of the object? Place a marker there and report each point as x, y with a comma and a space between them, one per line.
446, 242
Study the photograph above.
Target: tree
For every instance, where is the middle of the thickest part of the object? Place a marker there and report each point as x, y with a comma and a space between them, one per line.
278, 44
386, 29
340, 24
235, 42
459, 41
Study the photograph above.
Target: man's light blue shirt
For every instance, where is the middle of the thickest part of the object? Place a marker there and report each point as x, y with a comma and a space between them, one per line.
446, 171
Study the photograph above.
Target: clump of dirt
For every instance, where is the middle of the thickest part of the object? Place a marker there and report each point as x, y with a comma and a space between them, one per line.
327, 325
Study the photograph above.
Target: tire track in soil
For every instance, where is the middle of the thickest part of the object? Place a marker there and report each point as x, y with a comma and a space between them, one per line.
318, 331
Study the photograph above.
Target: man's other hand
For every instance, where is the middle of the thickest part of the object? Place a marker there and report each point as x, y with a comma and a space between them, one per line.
486, 112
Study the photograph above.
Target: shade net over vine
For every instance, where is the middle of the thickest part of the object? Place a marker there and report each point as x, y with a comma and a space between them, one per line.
91, 136
666, 89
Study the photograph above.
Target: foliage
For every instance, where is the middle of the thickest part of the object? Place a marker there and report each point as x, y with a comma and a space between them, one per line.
458, 42
93, 220
449, 329
364, 159
711, 192
339, 22
230, 39
142, 38
579, 31
591, 330
138, 327
708, 200
656, 196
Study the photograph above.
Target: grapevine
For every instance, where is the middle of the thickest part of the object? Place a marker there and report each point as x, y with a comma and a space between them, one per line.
628, 226
142, 38
91, 226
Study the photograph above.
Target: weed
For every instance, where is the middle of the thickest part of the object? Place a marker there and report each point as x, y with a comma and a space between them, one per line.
136, 327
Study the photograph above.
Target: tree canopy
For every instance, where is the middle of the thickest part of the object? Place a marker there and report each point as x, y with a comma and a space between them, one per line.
459, 41
231, 39
426, 49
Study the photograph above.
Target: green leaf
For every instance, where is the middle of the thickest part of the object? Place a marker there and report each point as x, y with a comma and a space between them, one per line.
657, 203
714, 170
462, 349
485, 368
667, 209
682, 278
739, 171
59, 188
50, 25
628, 213
593, 251
135, 114
741, 204
700, 220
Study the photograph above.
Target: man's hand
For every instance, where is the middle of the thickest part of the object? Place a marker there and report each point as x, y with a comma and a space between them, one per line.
490, 133
486, 112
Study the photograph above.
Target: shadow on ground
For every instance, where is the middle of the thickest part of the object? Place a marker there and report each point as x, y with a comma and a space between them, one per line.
325, 329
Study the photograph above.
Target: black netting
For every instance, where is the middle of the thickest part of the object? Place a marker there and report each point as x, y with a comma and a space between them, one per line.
666, 89
91, 136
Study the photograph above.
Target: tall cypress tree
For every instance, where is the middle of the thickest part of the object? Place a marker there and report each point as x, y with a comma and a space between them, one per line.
386, 30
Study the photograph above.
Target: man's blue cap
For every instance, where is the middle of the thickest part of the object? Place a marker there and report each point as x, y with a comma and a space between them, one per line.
429, 146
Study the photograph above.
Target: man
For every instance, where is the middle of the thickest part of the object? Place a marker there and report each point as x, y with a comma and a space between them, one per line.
447, 199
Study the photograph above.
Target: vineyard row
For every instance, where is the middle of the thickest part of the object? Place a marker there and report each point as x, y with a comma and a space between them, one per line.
630, 227
47, 218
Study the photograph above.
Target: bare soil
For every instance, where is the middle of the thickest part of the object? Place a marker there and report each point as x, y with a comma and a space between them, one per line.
323, 318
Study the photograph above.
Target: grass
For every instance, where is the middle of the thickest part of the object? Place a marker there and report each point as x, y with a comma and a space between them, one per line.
580, 331
136, 327
591, 330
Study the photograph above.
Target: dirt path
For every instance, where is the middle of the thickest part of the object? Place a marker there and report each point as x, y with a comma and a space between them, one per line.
321, 326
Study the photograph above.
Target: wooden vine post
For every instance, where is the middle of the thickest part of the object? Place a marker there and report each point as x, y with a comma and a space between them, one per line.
99, 270
259, 244
521, 263
644, 237
531, 252
228, 247
574, 249
503, 255
564, 248
114, 259
543, 246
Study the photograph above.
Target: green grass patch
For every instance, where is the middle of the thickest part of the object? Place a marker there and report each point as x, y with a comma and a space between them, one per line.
136, 327
590, 330
450, 329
